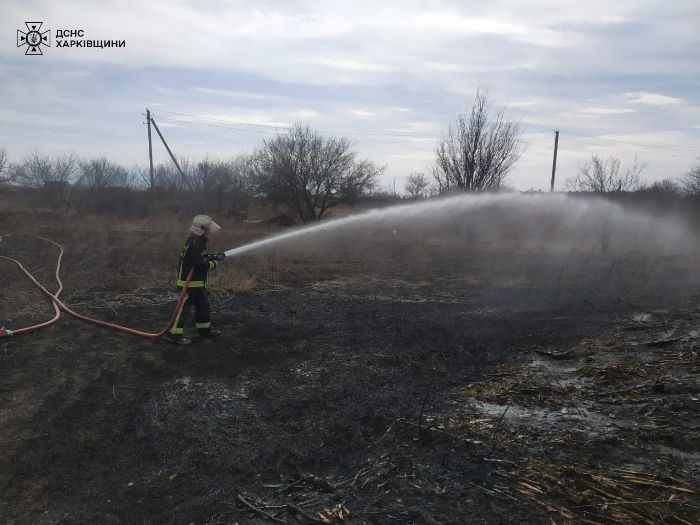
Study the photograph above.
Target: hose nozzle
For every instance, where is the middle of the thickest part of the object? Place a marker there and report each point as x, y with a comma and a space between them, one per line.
215, 256
4, 332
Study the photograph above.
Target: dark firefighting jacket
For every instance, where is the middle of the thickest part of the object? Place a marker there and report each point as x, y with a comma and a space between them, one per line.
194, 256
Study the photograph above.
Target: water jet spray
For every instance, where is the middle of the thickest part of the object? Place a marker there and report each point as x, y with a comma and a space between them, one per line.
549, 217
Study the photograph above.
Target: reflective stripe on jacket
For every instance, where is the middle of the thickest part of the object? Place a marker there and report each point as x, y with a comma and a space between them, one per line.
193, 256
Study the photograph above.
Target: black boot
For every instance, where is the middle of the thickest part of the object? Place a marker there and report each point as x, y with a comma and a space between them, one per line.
177, 339
208, 333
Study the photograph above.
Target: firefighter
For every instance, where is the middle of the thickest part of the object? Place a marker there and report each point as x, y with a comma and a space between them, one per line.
194, 255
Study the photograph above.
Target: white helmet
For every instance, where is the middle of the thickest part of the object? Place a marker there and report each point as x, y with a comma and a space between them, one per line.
202, 224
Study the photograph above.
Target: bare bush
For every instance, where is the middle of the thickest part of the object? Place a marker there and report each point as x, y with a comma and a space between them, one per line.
100, 173
53, 176
209, 183
690, 182
225, 185
189, 179
311, 173
417, 186
4, 165
605, 175
103, 186
166, 178
478, 150
665, 186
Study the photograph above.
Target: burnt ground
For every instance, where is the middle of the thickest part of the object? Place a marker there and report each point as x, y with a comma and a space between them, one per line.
412, 386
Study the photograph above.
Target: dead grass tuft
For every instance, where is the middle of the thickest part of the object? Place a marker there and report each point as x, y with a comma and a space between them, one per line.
233, 280
246, 275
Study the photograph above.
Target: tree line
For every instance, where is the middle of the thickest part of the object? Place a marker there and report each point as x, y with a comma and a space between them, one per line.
310, 173
304, 170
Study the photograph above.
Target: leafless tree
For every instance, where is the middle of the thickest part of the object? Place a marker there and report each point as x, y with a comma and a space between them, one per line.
103, 186
667, 186
166, 177
4, 176
690, 182
478, 150
99, 173
210, 184
311, 173
225, 183
605, 175
52, 175
140, 177
417, 185
355, 183
186, 179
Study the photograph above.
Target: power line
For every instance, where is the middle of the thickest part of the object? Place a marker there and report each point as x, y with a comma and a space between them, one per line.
202, 117
245, 130
385, 139
278, 130
407, 137
587, 143
285, 127
335, 132
630, 143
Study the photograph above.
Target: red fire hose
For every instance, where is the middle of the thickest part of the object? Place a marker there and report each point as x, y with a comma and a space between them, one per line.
57, 311
58, 305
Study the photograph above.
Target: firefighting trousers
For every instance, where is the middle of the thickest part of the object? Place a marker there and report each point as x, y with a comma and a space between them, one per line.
198, 299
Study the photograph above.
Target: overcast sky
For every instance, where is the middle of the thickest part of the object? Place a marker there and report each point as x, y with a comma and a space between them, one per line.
615, 77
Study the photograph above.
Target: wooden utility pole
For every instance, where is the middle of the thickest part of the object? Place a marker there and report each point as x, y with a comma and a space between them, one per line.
554, 160
179, 169
150, 150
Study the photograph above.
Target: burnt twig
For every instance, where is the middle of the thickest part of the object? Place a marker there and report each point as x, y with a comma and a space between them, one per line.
661, 342
24, 439
556, 355
404, 421
289, 486
300, 512
259, 510
386, 433
498, 427
630, 389
644, 326
322, 483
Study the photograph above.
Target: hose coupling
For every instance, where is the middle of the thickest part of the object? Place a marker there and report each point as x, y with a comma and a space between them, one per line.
4, 332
